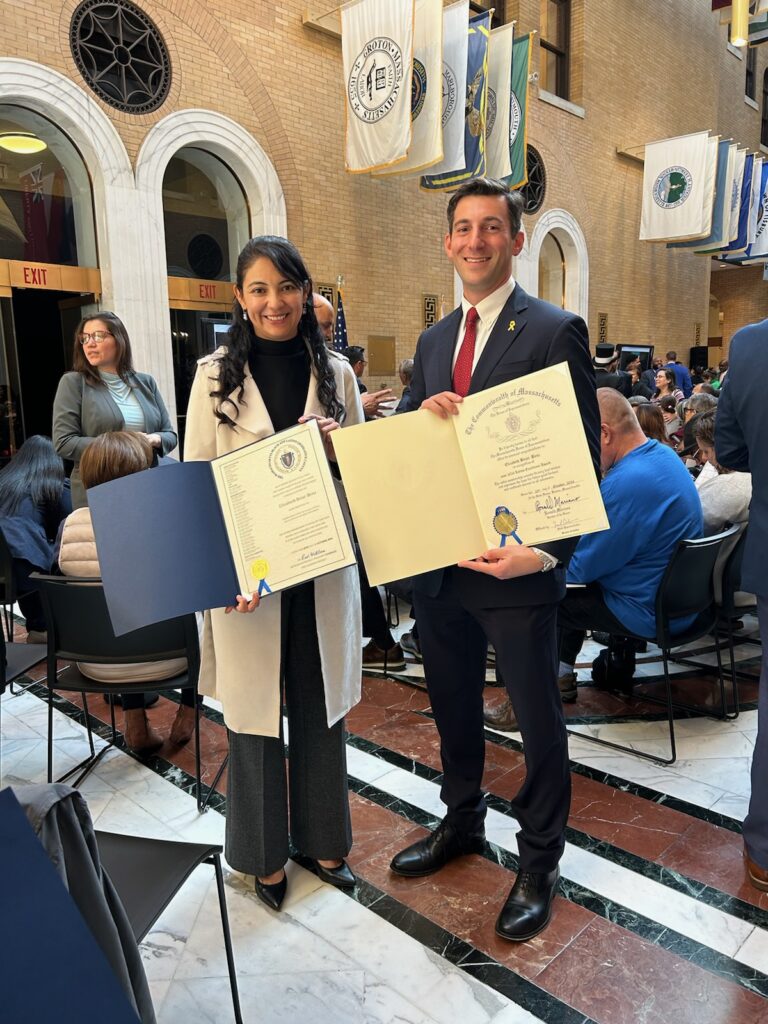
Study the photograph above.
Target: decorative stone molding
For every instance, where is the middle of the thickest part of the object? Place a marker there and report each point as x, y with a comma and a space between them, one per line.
227, 140
79, 116
567, 230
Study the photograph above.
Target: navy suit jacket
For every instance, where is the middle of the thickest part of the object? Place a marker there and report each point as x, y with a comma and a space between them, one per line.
741, 441
542, 336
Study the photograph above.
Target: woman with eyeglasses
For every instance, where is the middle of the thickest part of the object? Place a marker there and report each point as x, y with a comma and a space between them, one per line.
102, 393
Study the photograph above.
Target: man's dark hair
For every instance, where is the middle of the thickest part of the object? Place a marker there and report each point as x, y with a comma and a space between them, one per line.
672, 355
354, 353
489, 187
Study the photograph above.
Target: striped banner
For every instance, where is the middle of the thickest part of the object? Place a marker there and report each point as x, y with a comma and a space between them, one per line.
479, 32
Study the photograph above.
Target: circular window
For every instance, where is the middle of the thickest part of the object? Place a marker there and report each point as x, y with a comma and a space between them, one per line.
534, 192
121, 55
205, 256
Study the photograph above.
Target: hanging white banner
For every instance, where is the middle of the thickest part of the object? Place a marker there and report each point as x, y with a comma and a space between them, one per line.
454, 91
426, 91
678, 188
377, 54
499, 109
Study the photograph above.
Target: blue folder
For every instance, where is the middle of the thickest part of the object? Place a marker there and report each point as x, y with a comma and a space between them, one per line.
162, 545
52, 970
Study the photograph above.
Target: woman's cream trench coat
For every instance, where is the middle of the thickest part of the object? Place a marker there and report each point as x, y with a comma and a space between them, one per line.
240, 657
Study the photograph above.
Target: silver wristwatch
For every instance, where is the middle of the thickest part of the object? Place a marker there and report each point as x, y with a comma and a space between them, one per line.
548, 561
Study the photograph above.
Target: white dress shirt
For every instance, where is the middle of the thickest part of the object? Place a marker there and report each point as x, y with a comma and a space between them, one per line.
488, 312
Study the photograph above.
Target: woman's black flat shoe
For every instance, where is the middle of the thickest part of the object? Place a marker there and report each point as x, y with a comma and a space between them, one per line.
341, 876
272, 895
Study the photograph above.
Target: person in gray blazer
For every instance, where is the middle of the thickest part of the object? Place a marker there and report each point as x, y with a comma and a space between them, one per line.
102, 393
741, 429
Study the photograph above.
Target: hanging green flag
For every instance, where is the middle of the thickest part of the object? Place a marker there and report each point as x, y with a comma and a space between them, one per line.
475, 109
518, 114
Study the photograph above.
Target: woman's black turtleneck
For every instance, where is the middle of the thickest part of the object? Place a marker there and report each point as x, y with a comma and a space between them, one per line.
281, 371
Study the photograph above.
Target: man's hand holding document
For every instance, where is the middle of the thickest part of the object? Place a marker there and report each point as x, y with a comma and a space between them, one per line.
512, 467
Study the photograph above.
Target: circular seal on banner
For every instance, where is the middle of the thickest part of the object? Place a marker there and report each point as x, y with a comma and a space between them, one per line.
375, 79
491, 111
672, 187
260, 569
287, 457
450, 93
418, 88
762, 218
515, 117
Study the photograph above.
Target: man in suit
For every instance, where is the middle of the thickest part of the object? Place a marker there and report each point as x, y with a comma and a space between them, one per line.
741, 429
497, 334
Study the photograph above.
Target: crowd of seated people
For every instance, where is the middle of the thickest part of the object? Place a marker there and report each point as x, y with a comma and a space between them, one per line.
622, 589
33, 502
652, 504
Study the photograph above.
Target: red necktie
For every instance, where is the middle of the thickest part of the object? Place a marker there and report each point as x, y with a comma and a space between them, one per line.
462, 371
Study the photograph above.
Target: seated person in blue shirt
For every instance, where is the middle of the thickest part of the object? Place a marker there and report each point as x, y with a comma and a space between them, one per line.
652, 503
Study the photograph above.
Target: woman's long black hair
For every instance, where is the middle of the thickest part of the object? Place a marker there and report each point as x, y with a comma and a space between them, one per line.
35, 472
287, 260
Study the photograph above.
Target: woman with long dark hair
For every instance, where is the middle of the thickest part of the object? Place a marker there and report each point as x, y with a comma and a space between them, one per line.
33, 501
302, 645
104, 393
666, 384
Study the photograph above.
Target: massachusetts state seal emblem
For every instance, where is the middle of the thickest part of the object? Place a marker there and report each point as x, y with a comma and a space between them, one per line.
287, 457
672, 187
376, 79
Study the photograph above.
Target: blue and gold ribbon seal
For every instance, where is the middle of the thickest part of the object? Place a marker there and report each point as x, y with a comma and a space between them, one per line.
259, 570
505, 524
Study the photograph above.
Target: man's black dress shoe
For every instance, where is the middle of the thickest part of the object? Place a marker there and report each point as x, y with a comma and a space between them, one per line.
272, 895
340, 876
529, 905
436, 850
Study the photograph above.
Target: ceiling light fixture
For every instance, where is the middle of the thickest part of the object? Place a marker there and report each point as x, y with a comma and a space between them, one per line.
23, 143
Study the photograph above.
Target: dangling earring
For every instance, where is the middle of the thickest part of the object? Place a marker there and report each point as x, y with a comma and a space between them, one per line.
245, 315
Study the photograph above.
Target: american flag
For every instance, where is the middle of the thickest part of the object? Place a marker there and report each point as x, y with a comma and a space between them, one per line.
340, 328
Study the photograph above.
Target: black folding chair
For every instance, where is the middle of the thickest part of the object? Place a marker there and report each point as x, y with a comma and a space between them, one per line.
148, 873
15, 660
686, 588
79, 629
8, 594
